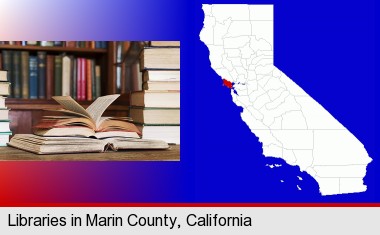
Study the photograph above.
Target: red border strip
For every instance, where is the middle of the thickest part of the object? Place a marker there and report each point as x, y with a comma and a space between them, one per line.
191, 205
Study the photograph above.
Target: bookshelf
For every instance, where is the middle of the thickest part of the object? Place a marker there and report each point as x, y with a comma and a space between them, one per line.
27, 112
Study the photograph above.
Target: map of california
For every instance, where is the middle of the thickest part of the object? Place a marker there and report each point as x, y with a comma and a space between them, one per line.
289, 123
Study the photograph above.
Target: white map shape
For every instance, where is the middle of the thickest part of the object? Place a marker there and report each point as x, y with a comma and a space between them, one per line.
288, 122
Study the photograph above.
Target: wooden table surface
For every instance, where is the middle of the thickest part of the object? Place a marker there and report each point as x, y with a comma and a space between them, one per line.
172, 154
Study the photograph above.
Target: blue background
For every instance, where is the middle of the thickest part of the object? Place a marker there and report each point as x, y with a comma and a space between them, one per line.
328, 48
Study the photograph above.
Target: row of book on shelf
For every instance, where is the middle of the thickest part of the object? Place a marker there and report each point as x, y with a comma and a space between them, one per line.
41, 75
156, 109
5, 131
77, 44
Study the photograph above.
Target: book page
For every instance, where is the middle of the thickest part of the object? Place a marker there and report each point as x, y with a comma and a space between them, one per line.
70, 104
97, 108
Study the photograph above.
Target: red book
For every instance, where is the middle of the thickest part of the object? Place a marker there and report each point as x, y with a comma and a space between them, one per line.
70, 44
84, 78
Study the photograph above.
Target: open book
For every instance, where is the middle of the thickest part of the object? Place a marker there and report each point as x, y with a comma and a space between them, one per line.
77, 121
56, 145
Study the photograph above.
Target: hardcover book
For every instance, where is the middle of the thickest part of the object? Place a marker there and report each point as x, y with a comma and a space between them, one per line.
4, 114
2, 102
66, 79
41, 60
33, 77
3, 76
162, 86
54, 145
158, 99
161, 75
16, 73
163, 58
155, 116
49, 76
25, 74
58, 75
5, 89
164, 43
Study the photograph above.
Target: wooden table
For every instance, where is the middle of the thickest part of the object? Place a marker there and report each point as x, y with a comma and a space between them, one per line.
172, 154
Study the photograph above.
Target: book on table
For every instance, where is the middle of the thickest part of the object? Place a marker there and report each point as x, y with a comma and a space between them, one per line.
83, 130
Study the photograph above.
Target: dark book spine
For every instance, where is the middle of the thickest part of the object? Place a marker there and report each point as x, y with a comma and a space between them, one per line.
74, 78
104, 44
25, 74
16, 74
41, 55
58, 43
58, 75
49, 76
33, 77
7, 65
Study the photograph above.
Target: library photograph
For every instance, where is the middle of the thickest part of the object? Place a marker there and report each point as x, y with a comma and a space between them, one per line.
89, 100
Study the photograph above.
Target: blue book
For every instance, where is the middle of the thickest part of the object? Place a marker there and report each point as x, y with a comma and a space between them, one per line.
41, 60
33, 77
98, 44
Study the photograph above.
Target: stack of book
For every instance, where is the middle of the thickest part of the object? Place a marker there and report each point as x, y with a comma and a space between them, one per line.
156, 109
41, 76
5, 132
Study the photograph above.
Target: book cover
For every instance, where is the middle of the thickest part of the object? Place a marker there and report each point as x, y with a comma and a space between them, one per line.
3, 76
93, 79
156, 99
16, 73
25, 74
58, 43
83, 79
2, 102
161, 75
46, 43
155, 116
164, 43
70, 43
41, 60
162, 86
4, 114
73, 77
49, 76
98, 80
79, 79
5, 88
58, 75
33, 77
160, 58
66, 80
89, 79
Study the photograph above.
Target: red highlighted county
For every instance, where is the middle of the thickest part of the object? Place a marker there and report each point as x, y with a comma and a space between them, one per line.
227, 83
